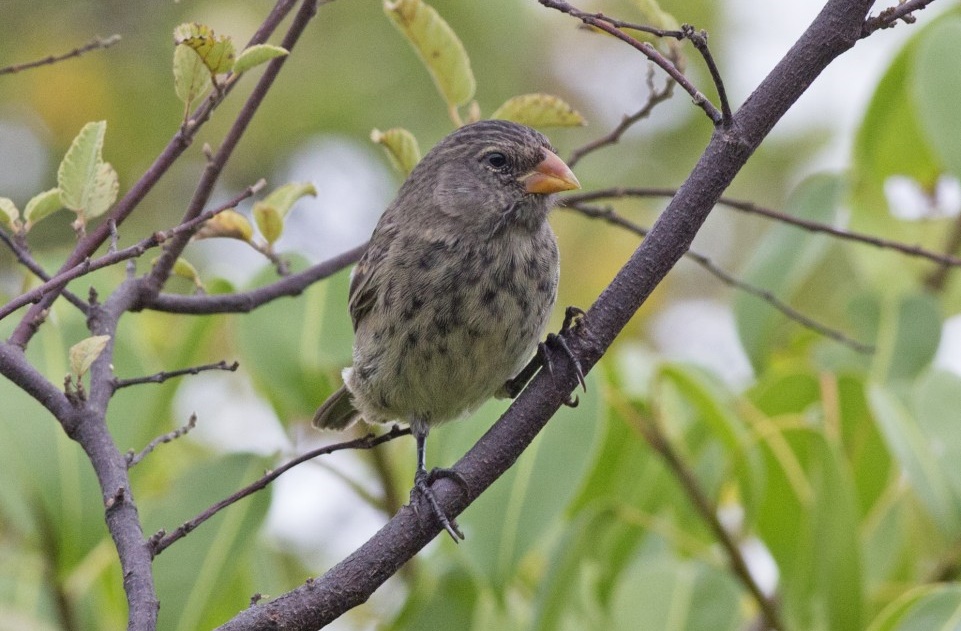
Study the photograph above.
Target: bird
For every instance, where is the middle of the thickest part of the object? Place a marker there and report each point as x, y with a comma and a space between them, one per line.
454, 292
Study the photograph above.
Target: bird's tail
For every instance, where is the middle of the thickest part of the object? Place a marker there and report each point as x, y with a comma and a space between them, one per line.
337, 412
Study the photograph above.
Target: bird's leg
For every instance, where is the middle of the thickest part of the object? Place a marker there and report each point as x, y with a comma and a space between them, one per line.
572, 317
423, 480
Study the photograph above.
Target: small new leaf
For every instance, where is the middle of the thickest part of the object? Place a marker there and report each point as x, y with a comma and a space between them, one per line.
191, 78
539, 110
228, 224
216, 53
256, 55
104, 191
41, 206
271, 211
79, 169
401, 147
184, 269
438, 47
9, 215
85, 352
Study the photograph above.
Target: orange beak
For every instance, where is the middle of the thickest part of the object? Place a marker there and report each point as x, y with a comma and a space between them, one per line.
550, 175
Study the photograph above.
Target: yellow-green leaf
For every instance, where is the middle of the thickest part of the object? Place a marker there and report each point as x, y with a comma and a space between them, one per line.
256, 55
438, 47
85, 352
655, 16
191, 78
79, 169
104, 191
9, 215
184, 269
216, 53
539, 110
401, 148
269, 213
41, 206
229, 224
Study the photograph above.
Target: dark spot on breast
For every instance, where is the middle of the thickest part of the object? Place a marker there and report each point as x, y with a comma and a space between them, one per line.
411, 341
382, 399
429, 257
489, 296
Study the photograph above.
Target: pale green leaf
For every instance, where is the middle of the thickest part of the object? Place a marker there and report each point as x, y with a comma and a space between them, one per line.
104, 191
184, 269
9, 215
191, 78
539, 110
79, 170
85, 352
229, 224
401, 147
269, 213
216, 53
269, 222
438, 47
256, 55
937, 88
655, 16
41, 206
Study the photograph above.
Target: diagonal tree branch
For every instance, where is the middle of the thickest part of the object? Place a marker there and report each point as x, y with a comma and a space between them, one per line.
96, 43
835, 30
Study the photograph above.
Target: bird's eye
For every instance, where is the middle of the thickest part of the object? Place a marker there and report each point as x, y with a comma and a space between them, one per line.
496, 159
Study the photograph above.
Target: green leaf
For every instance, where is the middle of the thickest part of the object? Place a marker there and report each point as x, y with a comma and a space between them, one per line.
270, 212
401, 147
937, 90
80, 176
933, 607
104, 191
41, 206
191, 78
216, 53
782, 263
184, 269
228, 224
256, 55
438, 47
539, 110
9, 215
85, 352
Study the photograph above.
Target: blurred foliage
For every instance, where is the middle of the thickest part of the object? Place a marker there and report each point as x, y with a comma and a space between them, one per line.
833, 472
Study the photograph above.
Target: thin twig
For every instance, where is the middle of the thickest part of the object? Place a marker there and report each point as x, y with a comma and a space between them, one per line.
889, 17
608, 25
754, 209
163, 376
134, 458
651, 430
654, 98
26, 259
134, 251
699, 40
161, 541
94, 44
612, 217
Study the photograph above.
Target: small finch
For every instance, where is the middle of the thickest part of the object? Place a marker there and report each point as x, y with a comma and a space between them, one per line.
455, 290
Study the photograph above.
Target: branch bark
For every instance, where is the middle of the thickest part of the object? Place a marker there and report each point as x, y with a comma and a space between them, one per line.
835, 30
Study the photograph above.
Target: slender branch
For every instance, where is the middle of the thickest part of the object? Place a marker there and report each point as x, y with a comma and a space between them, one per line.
608, 215
96, 43
889, 17
651, 430
654, 98
129, 202
245, 302
162, 269
608, 25
134, 458
134, 251
699, 40
26, 259
754, 209
161, 541
161, 377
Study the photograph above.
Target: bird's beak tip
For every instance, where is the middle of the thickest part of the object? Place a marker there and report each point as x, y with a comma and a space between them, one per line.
551, 175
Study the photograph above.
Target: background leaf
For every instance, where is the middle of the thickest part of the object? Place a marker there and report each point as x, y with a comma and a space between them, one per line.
256, 55
539, 110
401, 147
80, 169
41, 206
85, 352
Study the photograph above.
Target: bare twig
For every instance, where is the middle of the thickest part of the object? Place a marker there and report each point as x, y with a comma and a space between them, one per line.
161, 377
161, 541
134, 458
655, 96
608, 25
651, 430
699, 40
94, 44
90, 265
26, 259
727, 278
889, 17
754, 209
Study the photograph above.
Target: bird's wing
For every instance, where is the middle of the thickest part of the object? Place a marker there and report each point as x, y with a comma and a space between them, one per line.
365, 279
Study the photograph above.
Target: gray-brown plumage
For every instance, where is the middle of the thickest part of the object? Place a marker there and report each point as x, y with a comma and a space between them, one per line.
456, 287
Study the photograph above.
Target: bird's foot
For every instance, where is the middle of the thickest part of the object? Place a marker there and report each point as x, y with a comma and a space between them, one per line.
423, 480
